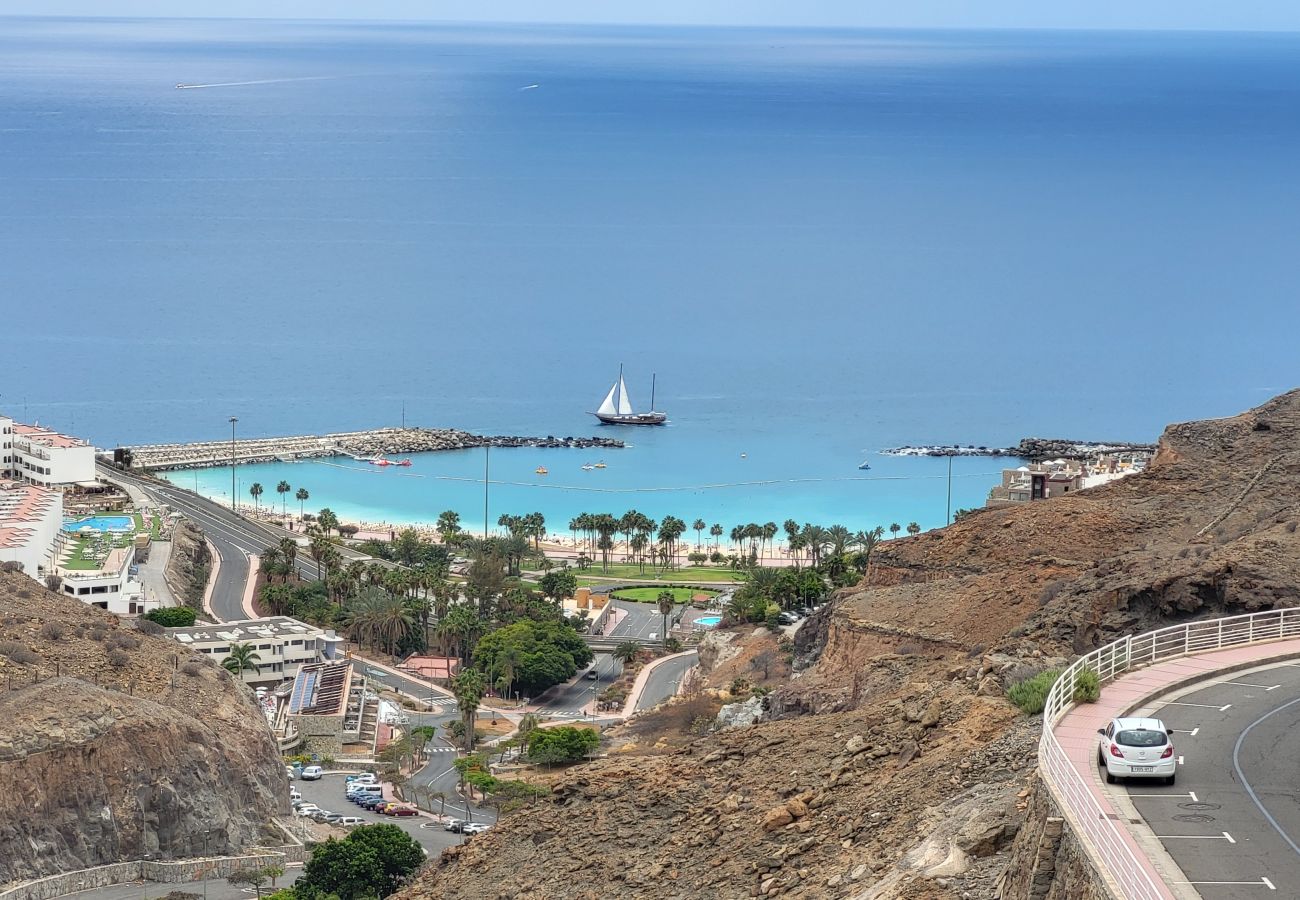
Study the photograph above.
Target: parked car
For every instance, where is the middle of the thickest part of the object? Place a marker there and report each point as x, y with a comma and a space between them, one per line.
312, 773
319, 815
1137, 748
362, 777
295, 794
371, 803
475, 827
288, 770
350, 821
334, 819
453, 825
787, 618
401, 809
307, 809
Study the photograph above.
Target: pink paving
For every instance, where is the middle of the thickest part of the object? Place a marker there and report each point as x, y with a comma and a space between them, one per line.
1076, 731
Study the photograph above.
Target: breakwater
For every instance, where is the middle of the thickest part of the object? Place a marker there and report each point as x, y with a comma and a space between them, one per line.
1037, 449
374, 443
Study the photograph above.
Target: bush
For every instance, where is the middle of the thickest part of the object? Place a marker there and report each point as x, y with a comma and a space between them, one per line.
1087, 687
562, 744
1031, 694
119, 640
147, 626
118, 658
192, 669
172, 616
19, 653
51, 631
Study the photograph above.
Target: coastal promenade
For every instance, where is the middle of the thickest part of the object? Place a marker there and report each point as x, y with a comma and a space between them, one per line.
372, 444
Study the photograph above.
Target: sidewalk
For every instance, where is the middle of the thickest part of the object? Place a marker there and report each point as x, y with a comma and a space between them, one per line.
1077, 729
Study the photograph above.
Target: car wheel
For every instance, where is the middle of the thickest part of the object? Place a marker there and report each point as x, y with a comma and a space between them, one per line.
1171, 779
1110, 779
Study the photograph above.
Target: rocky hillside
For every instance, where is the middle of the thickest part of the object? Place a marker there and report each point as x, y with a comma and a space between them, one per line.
115, 744
890, 766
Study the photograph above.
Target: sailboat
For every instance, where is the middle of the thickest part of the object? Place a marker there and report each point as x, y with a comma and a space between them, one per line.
617, 407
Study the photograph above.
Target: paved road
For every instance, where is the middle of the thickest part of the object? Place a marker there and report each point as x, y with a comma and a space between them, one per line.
1232, 821
642, 620
571, 697
663, 681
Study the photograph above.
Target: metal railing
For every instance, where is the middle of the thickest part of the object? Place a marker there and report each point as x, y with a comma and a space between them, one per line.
1102, 836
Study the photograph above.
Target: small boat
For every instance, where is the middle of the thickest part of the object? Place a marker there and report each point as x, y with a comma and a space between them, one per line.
865, 465
617, 407
587, 467
404, 462
541, 470
599, 465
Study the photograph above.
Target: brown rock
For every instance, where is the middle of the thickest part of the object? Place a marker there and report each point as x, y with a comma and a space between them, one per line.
777, 817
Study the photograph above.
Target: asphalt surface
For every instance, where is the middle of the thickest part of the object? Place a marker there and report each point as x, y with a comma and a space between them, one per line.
664, 680
327, 793
1232, 820
571, 697
642, 620
213, 889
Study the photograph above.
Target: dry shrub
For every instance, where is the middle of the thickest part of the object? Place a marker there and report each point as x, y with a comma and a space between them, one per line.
118, 658
120, 640
19, 653
192, 669
52, 631
148, 626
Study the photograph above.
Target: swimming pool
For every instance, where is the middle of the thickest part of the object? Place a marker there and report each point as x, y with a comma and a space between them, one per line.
101, 523
708, 621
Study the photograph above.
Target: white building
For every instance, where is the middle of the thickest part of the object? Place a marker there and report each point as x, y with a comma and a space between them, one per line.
112, 586
40, 456
283, 645
31, 519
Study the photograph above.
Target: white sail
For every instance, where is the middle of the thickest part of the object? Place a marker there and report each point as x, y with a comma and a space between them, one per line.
624, 404
608, 408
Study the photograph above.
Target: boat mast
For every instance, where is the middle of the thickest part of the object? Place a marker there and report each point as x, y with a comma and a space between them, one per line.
618, 397
652, 392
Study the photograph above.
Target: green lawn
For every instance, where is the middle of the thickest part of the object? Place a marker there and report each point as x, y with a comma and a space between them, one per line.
651, 594
702, 574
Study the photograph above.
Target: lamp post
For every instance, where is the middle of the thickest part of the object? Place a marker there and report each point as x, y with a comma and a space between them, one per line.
205, 865
487, 449
233, 420
949, 489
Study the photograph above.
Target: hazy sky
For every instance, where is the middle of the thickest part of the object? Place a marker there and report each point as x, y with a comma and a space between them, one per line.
1141, 14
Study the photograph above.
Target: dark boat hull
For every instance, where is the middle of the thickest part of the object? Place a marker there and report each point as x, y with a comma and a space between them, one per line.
647, 418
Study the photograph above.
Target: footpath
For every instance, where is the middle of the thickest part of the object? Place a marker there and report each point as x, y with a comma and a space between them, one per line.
1077, 729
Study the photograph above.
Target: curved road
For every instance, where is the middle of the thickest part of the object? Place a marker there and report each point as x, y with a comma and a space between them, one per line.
1232, 821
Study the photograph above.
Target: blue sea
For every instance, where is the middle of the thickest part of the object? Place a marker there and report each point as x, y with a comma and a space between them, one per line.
823, 243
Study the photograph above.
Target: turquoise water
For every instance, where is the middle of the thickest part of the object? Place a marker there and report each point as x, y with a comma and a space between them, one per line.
823, 242
714, 484
101, 523
708, 621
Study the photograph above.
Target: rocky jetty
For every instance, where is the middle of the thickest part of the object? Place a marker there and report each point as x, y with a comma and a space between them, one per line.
372, 443
1036, 449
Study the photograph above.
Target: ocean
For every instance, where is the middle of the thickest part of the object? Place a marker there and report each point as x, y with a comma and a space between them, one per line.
822, 242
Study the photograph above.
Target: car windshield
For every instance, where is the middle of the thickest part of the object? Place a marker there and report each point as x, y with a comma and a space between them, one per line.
1141, 738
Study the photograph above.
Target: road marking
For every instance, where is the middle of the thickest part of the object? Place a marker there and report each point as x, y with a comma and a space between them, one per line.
1224, 836
1201, 705
1263, 882
1168, 796
1192, 732
1191, 794
1267, 687
1236, 765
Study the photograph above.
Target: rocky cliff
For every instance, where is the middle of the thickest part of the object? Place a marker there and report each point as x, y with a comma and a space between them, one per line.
116, 744
891, 767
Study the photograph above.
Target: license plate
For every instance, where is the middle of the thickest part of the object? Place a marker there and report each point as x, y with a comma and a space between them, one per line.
1142, 768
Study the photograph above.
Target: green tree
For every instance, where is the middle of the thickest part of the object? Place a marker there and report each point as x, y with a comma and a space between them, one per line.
327, 520
283, 488
913, 529
406, 549
698, 526
254, 878
289, 551
302, 497
468, 688
715, 532
372, 861
626, 651
563, 744
242, 658
665, 610
548, 652
448, 524
559, 584
172, 616
895, 528
256, 490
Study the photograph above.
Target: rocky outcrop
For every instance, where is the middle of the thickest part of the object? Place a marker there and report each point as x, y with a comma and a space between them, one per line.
128, 745
1036, 449
1046, 861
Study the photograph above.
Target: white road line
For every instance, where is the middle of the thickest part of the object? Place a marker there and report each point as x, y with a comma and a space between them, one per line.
1191, 794
1263, 882
1197, 837
1201, 705
1168, 796
1192, 732
1268, 884
1267, 687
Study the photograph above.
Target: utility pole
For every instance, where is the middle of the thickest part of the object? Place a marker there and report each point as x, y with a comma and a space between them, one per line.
949, 489
233, 420
487, 448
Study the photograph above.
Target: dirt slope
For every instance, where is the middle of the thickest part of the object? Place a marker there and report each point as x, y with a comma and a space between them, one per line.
891, 766
116, 744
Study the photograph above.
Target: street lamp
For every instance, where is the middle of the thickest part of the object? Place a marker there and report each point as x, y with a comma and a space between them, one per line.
233, 420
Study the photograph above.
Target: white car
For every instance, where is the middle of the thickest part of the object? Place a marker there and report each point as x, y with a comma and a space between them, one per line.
307, 809
474, 828
312, 773
1137, 748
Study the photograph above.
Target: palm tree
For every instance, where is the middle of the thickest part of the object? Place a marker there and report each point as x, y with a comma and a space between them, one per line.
242, 658
815, 540
715, 532
507, 665
866, 542
699, 526
469, 689
769, 532
839, 538
895, 529
271, 562
302, 497
913, 529
626, 651
666, 601
256, 491
282, 489
289, 550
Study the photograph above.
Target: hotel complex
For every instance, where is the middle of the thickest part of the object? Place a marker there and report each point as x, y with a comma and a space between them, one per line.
37, 455
283, 645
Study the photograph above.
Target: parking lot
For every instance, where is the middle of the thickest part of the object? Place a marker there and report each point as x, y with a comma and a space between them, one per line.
327, 793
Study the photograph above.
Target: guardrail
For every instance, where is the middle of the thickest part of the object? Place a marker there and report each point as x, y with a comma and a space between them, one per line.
1100, 835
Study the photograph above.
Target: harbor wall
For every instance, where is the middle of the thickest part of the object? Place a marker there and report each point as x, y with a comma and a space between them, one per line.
357, 444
